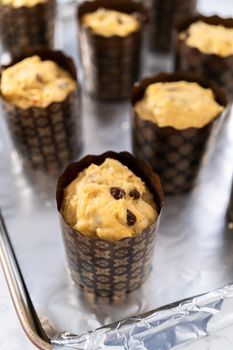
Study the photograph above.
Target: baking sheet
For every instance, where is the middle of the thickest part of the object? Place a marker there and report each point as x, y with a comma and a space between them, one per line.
194, 247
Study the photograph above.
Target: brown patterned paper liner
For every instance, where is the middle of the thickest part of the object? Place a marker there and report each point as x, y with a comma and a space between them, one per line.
230, 210
208, 66
175, 154
165, 15
111, 65
27, 27
47, 138
108, 271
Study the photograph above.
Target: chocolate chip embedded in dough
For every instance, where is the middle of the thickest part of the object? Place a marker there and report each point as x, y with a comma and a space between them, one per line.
131, 218
117, 192
135, 194
119, 20
39, 78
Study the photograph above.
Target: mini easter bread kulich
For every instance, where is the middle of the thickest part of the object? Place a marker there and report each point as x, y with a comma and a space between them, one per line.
172, 119
40, 96
110, 37
204, 47
164, 16
109, 207
26, 24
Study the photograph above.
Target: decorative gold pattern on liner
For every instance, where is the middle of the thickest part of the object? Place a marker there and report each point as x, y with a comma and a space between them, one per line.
111, 65
47, 138
108, 271
27, 27
216, 69
175, 154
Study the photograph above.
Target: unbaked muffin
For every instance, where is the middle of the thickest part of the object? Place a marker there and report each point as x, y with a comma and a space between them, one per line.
173, 115
110, 38
26, 25
40, 98
204, 47
109, 208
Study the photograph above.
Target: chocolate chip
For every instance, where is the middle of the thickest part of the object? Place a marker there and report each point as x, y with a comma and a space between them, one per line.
39, 78
131, 218
119, 20
135, 194
117, 192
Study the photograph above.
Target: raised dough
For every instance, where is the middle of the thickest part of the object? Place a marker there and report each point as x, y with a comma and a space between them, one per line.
36, 83
109, 22
89, 207
180, 105
21, 3
209, 39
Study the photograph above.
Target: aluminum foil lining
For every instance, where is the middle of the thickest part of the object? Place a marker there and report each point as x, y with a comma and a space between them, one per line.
206, 320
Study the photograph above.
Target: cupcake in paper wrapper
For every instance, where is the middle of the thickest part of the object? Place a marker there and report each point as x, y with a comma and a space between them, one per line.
27, 27
111, 64
47, 138
174, 154
164, 16
108, 270
213, 67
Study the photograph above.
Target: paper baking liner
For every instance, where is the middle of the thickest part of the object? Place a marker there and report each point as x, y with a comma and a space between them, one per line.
164, 16
208, 66
108, 271
27, 27
230, 210
111, 65
175, 154
47, 138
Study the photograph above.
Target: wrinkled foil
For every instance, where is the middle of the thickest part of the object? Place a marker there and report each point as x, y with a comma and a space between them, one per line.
203, 323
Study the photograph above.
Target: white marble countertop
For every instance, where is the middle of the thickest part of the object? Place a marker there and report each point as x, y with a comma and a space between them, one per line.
12, 337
